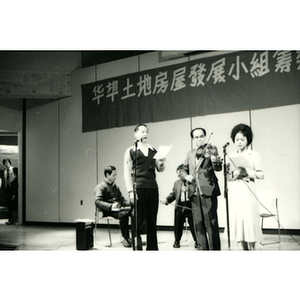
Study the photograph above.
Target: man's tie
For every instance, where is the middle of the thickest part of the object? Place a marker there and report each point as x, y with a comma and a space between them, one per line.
8, 178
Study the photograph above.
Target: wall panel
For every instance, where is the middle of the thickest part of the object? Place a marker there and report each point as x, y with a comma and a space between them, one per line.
77, 155
276, 137
42, 184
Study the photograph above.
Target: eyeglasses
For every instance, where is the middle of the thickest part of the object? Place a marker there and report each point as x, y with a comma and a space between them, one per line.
199, 137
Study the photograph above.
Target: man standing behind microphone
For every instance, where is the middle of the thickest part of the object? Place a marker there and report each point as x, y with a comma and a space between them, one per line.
143, 165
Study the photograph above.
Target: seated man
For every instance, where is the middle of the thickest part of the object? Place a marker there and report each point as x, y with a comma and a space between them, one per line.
183, 208
109, 199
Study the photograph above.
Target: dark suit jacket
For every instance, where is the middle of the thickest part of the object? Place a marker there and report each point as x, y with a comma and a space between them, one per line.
106, 194
176, 192
208, 180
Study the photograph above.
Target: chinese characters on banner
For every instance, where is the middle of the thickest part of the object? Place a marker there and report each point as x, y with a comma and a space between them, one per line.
234, 82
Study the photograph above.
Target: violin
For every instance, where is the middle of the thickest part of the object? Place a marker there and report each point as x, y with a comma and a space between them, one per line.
206, 151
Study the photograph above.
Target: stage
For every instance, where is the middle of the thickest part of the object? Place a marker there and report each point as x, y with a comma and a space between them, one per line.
47, 237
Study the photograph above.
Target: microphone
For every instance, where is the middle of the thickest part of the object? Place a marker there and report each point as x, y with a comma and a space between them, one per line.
226, 145
137, 141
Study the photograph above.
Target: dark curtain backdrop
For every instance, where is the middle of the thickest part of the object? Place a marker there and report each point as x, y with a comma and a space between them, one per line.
233, 82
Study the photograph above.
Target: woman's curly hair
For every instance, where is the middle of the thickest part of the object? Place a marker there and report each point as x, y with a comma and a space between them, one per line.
245, 130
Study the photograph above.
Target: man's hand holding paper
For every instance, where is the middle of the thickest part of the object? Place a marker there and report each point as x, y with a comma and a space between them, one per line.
161, 155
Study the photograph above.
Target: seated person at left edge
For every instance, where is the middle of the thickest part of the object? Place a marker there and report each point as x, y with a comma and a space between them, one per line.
109, 199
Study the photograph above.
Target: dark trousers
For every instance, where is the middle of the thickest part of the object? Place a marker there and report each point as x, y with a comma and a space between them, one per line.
179, 219
206, 222
147, 208
12, 205
124, 226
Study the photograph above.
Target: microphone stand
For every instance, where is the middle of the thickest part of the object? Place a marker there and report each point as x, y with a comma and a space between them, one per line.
135, 238
226, 195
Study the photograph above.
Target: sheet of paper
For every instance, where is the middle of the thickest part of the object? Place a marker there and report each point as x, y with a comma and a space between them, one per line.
239, 161
162, 152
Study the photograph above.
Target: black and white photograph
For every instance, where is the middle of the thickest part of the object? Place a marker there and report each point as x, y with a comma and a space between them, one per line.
159, 163
89, 162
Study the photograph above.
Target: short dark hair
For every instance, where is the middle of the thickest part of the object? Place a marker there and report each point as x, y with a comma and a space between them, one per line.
5, 160
182, 167
108, 170
138, 126
245, 130
198, 128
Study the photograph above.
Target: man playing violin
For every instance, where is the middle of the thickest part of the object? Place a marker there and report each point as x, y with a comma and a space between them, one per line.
202, 162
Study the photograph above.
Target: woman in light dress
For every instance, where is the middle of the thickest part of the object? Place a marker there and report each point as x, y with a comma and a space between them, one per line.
245, 169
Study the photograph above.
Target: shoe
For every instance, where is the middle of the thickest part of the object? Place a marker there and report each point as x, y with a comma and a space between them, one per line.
8, 223
199, 247
126, 243
176, 245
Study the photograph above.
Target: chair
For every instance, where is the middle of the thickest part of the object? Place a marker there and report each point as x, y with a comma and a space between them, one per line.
98, 216
269, 208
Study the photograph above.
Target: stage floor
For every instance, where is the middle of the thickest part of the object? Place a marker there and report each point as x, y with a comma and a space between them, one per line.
48, 237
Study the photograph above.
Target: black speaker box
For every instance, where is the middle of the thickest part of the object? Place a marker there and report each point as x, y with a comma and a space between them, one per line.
84, 236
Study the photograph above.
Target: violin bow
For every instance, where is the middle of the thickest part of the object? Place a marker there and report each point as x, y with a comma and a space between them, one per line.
177, 205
